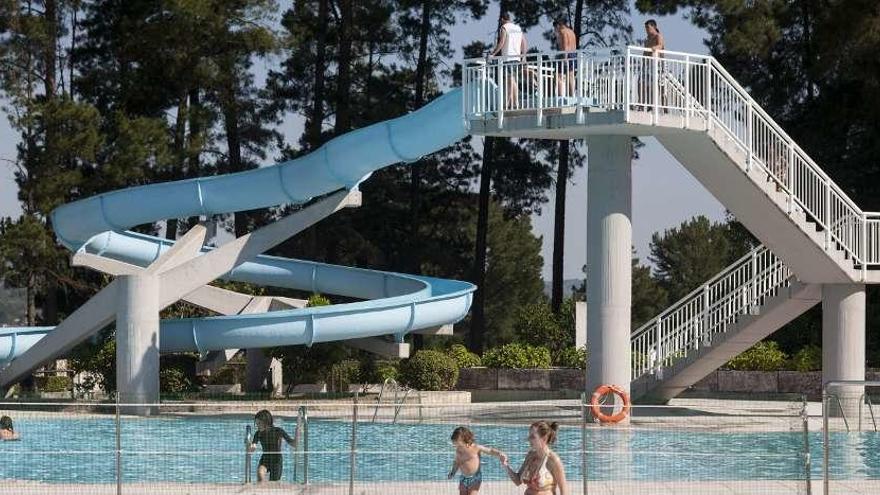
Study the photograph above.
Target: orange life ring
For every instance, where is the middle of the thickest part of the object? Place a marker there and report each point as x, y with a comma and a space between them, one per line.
596, 407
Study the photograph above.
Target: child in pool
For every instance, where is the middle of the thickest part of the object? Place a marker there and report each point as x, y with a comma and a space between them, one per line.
269, 437
7, 432
467, 460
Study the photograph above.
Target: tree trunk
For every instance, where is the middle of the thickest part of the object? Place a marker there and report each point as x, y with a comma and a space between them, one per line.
316, 119
31, 295
171, 225
559, 226
51, 44
233, 140
343, 86
416, 168
477, 337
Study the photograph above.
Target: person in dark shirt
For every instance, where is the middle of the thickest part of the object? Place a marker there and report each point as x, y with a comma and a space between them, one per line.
269, 438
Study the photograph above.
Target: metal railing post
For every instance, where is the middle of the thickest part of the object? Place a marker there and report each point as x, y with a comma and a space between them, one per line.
584, 465
790, 179
539, 119
305, 415
579, 87
627, 99
708, 95
750, 141
655, 88
805, 419
827, 219
501, 82
353, 457
825, 440
658, 335
863, 255
706, 312
754, 284
247, 454
118, 449
688, 103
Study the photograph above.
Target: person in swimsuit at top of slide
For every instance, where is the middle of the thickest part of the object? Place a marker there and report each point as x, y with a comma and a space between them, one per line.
269, 437
541, 471
467, 460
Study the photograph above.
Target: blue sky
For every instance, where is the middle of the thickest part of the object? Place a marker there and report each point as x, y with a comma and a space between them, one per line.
664, 193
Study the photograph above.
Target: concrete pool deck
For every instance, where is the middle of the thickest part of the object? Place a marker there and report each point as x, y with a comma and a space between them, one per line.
766, 487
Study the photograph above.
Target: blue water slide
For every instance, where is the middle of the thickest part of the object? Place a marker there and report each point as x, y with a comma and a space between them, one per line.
391, 303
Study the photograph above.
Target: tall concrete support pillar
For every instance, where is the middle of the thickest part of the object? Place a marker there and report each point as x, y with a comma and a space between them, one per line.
843, 345
262, 373
137, 342
609, 261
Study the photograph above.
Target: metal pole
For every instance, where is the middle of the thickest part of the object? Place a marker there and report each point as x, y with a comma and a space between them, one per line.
353, 458
584, 440
118, 449
305, 413
825, 443
247, 454
807, 457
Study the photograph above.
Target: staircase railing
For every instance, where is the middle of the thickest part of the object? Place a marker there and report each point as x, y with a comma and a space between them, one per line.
707, 312
695, 88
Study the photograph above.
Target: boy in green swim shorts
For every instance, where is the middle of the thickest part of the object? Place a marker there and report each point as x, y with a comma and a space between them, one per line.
269, 437
467, 460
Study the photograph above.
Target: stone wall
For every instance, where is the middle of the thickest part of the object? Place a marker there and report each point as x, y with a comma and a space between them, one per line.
719, 381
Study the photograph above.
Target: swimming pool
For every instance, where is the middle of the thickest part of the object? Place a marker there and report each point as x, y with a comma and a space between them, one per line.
210, 449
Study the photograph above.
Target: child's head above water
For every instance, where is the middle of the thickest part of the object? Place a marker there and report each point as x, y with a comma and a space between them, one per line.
263, 419
462, 436
6, 423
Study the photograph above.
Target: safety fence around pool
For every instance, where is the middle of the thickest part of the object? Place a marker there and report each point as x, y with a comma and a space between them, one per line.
359, 447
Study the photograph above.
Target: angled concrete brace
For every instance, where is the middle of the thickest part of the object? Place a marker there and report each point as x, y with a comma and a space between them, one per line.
178, 280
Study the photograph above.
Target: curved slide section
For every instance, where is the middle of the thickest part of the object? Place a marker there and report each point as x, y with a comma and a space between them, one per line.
393, 303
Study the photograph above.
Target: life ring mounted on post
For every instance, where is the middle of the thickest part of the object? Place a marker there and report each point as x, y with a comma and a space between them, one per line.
596, 406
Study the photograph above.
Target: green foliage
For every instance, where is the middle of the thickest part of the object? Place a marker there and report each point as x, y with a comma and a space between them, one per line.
379, 370
316, 300
571, 357
809, 358
429, 370
53, 383
463, 357
343, 374
518, 356
96, 359
763, 356
649, 298
688, 255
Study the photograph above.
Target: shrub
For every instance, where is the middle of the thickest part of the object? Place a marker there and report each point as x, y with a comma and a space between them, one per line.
343, 374
317, 300
764, 356
175, 380
517, 356
429, 370
572, 357
53, 383
537, 326
379, 370
463, 357
809, 358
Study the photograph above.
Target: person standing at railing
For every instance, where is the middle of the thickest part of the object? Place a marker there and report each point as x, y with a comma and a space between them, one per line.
269, 437
566, 42
655, 43
542, 471
511, 46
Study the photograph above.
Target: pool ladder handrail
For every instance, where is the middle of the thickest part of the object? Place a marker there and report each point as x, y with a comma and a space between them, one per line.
302, 432
247, 454
398, 404
866, 399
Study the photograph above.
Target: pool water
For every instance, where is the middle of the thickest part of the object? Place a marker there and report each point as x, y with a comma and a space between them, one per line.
211, 449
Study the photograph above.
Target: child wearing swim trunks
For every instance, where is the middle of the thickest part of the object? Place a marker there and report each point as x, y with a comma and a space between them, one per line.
467, 460
269, 436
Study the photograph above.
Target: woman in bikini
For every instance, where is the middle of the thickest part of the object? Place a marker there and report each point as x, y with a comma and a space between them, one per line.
542, 470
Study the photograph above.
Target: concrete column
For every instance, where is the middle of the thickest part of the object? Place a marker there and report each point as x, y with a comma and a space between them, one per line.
843, 344
262, 373
137, 342
609, 261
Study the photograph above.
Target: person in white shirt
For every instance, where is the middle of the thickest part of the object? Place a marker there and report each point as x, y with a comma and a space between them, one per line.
511, 45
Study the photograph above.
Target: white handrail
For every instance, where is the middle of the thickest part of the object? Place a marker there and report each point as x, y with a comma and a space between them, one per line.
632, 78
706, 312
